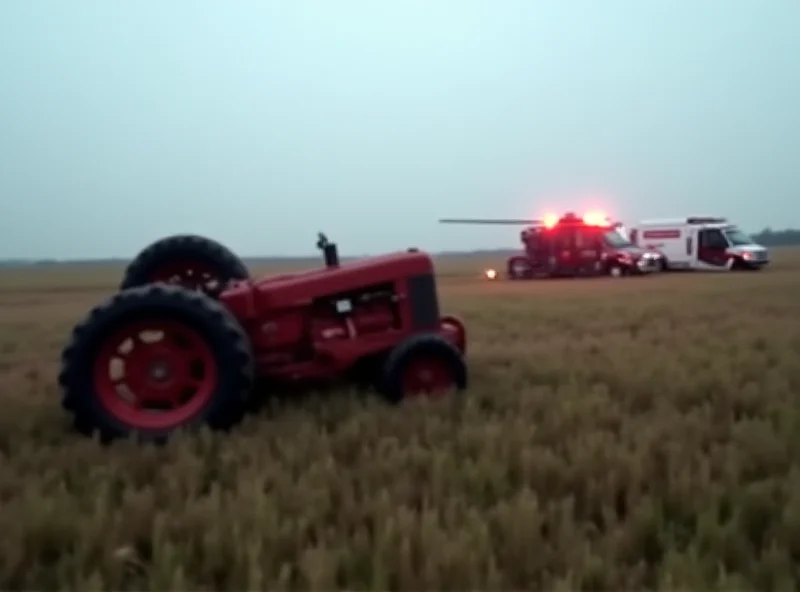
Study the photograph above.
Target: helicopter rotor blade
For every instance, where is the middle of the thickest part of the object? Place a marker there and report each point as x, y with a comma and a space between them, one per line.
508, 221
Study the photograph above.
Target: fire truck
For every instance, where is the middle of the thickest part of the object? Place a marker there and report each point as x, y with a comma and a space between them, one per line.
701, 243
571, 245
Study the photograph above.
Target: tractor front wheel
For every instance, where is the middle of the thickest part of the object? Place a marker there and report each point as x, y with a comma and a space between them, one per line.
425, 364
194, 262
155, 359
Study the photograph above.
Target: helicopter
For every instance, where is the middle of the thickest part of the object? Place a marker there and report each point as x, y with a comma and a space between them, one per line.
570, 246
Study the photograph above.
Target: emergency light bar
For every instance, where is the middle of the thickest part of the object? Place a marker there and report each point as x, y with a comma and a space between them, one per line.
589, 218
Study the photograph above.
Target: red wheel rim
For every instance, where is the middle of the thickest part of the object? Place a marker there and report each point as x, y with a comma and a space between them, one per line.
428, 375
195, 275
154, 374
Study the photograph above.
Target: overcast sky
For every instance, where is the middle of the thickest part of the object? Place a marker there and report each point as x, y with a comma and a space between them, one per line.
258, 122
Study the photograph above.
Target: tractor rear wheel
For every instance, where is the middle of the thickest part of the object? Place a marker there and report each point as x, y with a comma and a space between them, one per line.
422, 364
191, 261
155, 359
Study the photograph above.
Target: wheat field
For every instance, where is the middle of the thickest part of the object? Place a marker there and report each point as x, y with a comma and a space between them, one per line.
632, 433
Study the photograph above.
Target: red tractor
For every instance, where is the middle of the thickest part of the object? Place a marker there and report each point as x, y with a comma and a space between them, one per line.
184, 339
570, 246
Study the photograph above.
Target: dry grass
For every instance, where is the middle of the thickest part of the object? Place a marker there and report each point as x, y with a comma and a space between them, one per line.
618, 434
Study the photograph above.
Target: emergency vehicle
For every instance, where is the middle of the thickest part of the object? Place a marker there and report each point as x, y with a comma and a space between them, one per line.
703, 243
571, 245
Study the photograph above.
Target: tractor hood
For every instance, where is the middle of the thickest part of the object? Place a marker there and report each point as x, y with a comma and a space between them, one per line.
299, 288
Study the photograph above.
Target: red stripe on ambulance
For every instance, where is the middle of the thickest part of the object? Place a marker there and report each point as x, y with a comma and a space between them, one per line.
661, 234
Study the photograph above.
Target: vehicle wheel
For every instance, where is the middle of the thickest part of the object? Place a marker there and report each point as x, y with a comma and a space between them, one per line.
615, 270
662, 265
519, 268
194, 262
155, 359
738, 264
422, 364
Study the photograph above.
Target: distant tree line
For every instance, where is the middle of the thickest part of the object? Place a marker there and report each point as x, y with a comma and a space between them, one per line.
778, 238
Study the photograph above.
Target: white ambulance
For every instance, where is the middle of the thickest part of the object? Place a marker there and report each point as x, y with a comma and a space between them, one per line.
699, 243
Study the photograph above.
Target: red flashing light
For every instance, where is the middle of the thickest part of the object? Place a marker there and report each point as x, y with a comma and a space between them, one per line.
550, 220
595, 219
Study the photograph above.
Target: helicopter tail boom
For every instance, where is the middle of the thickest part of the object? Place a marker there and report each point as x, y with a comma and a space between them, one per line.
506, 221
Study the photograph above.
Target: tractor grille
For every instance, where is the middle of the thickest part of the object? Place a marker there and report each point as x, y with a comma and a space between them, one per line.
424, 301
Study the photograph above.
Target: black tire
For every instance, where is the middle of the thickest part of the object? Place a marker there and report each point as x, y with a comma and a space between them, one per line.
201, 263
739, 264
616, 269
219, 336
415, 348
